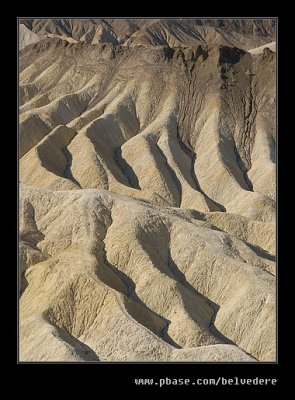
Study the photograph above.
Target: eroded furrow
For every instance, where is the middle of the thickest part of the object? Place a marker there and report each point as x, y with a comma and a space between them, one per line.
148, 201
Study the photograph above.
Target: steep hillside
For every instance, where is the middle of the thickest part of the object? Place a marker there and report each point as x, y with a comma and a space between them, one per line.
147, 210
245, 34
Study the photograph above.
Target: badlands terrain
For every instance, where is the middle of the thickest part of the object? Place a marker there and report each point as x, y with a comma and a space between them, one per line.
147, 190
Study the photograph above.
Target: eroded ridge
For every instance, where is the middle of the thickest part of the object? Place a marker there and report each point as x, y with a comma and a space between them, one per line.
147, 207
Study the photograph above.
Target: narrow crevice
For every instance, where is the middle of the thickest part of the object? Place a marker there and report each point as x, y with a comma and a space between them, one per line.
180, 277
130, 292
188, 107
83, 351
174, 272
68, 172
101, 162
215, 332
172, 174
126, 169
23, 284
213, 205
250, 112
243, 169
82, 112
242, 143
261, 252
31, 239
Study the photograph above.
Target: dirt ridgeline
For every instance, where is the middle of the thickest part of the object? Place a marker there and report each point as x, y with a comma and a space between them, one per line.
245, 34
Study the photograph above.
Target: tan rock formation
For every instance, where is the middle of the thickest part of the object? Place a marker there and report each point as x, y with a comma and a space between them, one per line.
147, 209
